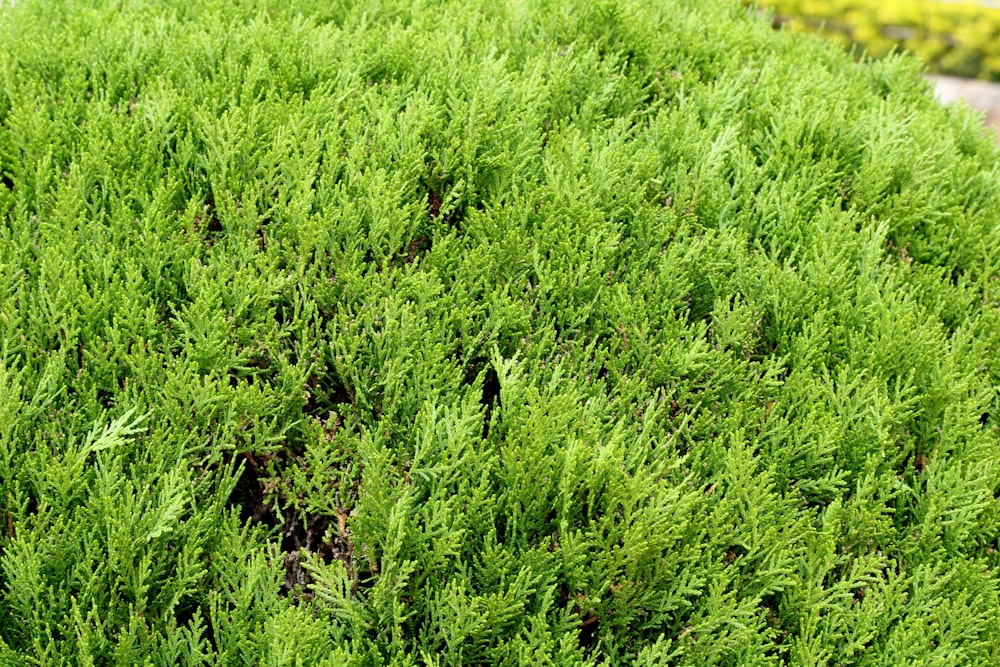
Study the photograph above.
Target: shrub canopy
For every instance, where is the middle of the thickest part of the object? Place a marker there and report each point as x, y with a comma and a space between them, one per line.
541, 332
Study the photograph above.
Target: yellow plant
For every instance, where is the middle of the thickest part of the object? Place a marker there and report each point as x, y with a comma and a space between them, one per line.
952, 38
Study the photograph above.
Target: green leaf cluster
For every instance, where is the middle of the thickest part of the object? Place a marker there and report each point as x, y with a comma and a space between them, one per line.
549, 332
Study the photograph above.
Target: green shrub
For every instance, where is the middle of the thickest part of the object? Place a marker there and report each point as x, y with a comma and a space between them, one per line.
545, 332
960, 38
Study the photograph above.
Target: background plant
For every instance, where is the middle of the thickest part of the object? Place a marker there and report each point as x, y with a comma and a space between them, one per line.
958, 38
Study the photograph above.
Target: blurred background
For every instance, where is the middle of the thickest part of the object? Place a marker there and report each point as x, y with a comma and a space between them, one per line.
959, 40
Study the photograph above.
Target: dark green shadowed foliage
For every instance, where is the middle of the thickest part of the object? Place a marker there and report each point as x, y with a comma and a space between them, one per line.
535, 332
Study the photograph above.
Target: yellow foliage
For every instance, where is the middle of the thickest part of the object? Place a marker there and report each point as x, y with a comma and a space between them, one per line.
954, 38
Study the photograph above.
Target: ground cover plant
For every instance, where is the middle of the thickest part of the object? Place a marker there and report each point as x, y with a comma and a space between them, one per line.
455, 333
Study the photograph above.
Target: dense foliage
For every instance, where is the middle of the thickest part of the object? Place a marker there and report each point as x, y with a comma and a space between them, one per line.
953, 37
540, 332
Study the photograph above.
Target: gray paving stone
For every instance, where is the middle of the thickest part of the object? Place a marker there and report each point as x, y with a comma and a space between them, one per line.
981, 95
